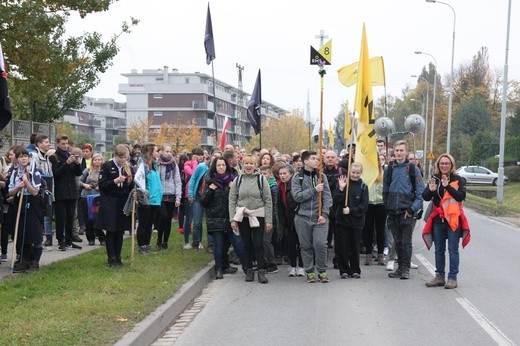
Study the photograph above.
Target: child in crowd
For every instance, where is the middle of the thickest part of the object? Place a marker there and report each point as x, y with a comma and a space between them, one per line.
350, 220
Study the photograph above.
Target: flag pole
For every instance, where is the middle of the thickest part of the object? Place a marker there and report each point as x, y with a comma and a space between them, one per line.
214, 103
260, 120
309, 135
320, 135
16, 227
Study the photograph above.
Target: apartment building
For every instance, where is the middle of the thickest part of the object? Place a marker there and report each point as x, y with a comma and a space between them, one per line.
173, 97
101, 119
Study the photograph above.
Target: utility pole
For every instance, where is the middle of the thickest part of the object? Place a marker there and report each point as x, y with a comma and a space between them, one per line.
240, 102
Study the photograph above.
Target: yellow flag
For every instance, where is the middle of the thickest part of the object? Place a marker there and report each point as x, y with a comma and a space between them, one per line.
326, 51
366, 149
348, 74
347, 134
331, 136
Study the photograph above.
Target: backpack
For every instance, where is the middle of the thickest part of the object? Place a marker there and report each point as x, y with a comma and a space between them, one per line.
259, 182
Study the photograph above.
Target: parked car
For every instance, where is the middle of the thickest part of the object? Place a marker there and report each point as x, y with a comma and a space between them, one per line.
479, 175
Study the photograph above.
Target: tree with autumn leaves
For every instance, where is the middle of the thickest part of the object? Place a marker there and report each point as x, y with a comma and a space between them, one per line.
179, 137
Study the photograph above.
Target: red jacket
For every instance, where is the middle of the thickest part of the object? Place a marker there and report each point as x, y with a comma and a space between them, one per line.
428, 228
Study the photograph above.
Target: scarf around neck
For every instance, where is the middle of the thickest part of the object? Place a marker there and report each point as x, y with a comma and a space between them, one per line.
62, 154
169, 164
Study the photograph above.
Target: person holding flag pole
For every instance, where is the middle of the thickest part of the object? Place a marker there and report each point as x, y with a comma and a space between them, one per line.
24, 185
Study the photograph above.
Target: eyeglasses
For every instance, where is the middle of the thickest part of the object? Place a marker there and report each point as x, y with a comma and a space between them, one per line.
444, 163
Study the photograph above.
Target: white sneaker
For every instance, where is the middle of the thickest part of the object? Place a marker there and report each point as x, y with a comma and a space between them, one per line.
385, 251
390, 266
300, 272
292, 272
187, 246
201, 247
413, 265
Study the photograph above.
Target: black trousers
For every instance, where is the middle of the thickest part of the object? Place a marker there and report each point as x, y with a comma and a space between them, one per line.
114, 244
146, 215
165, 222
348, 240
253, 240
293, 248
64, 214
375, 220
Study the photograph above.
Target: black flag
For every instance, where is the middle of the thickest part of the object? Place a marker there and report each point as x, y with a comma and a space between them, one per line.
254, 106
5, 105
209, 44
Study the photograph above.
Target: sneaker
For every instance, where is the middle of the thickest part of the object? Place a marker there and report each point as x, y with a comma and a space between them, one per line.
187, 246
48, 241
62, 247
143, 250
20, 266
413, 265
311, 277
101, 243
3, 257
76, 238
198, 247
355, 276
230, 270
272, 268
396, 274
74, 246
91, 243
300, 272
390, 266
344, 275
292, 272
323, 277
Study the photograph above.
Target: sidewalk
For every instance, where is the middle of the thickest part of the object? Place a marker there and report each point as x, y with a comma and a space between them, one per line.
51, 254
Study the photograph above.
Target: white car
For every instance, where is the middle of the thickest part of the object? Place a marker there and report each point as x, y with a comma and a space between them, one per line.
479, 175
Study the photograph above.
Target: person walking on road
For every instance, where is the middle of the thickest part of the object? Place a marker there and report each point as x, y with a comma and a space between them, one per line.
447, 221
350, 219
312, 228
251, 214
402, 196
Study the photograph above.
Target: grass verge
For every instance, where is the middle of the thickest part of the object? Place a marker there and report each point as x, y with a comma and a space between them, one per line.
489, 206
80, 301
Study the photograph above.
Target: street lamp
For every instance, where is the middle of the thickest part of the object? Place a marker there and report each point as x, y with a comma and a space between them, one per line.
450, 102
430, 168
425, 116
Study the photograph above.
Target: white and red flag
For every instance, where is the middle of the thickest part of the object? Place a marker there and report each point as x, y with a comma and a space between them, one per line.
226, 125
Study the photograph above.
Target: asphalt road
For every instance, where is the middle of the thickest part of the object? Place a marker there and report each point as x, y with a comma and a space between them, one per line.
483, 310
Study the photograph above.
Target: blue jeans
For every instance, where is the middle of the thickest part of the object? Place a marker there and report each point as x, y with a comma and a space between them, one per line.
47, 226
441, 232
187, 220
218, 245
198, 214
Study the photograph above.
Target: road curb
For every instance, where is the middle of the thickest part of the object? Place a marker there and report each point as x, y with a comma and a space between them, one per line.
148, 330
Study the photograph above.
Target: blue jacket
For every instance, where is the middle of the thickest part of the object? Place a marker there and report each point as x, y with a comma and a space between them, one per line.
196, 178
398, 194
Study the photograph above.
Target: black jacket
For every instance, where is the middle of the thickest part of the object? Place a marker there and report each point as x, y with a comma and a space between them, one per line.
357, 202
65, 184
216, 205
284, 212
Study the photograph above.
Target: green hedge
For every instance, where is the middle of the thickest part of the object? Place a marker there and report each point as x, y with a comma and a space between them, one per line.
512, 172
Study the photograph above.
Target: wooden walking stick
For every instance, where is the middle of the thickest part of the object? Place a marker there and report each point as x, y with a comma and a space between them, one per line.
15, 238
133, 229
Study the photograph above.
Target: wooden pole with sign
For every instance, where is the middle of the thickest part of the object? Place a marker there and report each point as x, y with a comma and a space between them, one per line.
321, 58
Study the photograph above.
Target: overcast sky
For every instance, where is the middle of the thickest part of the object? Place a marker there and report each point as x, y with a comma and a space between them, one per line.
276, 35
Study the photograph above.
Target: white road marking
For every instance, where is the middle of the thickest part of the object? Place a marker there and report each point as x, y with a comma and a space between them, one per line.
492, 330
426, 263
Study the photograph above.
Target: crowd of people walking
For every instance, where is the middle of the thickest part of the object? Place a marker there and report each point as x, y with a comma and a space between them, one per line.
269, 207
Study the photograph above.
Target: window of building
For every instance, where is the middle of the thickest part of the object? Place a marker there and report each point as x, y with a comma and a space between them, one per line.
187, 80
159, 79
157, 96
157, 114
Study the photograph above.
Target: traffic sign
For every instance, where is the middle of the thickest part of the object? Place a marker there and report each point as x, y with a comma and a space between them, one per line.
431, 156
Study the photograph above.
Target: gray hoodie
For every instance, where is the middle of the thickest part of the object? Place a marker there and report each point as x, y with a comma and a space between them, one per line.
304, 192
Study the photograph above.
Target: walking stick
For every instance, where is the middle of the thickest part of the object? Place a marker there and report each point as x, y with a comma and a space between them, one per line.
133, 230
15, 238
